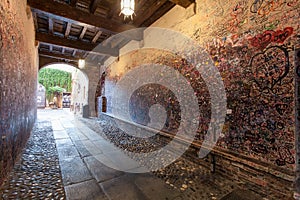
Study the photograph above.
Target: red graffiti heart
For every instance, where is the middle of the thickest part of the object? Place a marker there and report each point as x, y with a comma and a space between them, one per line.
261, 41
270, 67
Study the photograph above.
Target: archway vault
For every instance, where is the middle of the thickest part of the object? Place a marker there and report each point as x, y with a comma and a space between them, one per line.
45, 61
88, 81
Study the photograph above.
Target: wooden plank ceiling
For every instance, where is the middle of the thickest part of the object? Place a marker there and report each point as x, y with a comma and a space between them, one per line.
68, 30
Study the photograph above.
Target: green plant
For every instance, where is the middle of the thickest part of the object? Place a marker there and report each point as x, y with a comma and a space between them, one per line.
55, 81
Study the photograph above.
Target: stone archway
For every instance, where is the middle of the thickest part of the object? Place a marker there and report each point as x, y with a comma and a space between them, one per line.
81, 96
91, 74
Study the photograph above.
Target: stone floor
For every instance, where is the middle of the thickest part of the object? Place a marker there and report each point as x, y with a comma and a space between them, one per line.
84, 156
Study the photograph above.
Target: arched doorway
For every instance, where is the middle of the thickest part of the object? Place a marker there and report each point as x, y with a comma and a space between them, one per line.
75, 98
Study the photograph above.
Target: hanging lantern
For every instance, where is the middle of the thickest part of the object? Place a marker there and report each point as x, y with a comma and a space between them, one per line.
127, 8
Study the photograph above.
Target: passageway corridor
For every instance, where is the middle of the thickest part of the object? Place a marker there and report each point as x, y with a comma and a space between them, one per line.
65, 156
150, 99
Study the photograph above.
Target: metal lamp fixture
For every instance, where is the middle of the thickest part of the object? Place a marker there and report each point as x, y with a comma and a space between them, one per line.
127, 8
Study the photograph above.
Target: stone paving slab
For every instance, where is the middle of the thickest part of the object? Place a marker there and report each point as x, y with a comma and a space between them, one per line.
88, 190
106, 161
155, 188
91, 147
74, 171
68, 151
122, 161
100, 171
81, 149
61, 134
105, 146
122, 188
89, 133
56, 125
67, 122
75, 134
63, 142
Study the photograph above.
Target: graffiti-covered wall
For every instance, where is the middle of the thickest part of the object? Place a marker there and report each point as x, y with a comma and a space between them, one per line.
18, 81
252, 43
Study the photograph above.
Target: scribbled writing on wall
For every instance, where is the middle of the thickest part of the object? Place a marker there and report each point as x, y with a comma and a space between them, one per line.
150, 94
261, 41
264, 7
273, 67
251, 44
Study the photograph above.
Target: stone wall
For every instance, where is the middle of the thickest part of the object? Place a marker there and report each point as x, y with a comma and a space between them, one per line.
18, 80
80, 86
84, 86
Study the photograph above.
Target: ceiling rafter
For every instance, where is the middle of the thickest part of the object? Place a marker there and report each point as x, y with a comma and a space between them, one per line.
68, 29
96, 37
74, 52
50, 21
94, 5
67, 11
80, 45
58, 56
74, 28
168, 5
35, 20
149, 12
84, 29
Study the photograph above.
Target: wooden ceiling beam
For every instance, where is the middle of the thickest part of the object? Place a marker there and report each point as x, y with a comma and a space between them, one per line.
183, 3
114, 8
162, 10
82, 32
98, 34
94, 5
149, 12
57, 56
50, 21
74, 52
67, 11
35, 21
39, 12
68, 29
80, 45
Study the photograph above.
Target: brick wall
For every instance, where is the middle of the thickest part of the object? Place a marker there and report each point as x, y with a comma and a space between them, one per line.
18, 81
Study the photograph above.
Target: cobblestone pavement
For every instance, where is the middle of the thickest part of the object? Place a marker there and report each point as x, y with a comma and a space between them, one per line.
66, 158
37, 174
